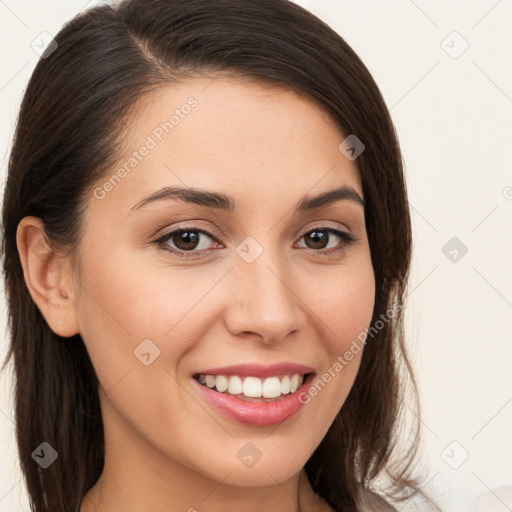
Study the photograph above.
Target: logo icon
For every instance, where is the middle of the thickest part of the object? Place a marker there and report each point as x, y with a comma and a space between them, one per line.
454, 455
454, 249
351, 147
146, 352
454, 45
45, 455
249, 249
249, 455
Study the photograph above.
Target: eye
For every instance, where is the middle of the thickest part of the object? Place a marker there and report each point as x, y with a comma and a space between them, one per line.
323, 239
190, 242
185, 240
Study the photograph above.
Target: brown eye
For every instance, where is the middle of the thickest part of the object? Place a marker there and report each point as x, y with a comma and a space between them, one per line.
186, 240
327, 239
318, 239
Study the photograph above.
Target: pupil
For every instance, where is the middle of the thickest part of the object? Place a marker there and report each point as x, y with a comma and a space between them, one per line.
319, 239
187, 239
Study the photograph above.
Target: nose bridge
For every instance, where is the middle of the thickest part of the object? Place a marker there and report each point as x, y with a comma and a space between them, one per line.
262, 299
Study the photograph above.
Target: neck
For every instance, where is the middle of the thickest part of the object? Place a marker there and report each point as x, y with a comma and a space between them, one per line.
137, 477
140, 493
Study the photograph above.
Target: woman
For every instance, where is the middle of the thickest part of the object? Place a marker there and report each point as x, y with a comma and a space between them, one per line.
206, 248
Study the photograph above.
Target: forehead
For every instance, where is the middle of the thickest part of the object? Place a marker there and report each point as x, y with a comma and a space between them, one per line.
250, 139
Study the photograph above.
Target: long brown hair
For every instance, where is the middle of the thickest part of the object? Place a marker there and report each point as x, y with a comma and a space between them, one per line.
69, 131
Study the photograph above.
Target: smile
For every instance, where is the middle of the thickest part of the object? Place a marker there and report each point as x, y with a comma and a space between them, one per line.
253, 388
255, 395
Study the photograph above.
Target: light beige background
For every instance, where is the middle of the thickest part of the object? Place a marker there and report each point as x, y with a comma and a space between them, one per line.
453, 114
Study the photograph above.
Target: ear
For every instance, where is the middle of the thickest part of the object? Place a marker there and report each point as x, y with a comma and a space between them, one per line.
48, 278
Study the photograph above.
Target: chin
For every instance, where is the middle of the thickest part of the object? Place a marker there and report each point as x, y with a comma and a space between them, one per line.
262, 477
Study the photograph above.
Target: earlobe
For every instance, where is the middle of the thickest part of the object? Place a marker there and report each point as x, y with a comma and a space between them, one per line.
49, 282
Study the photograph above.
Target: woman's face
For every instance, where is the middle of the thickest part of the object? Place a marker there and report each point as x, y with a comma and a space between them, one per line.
259, 285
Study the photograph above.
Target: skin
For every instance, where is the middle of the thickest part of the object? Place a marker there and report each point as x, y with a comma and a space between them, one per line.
166, 448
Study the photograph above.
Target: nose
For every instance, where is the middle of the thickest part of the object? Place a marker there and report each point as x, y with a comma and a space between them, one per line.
262, 301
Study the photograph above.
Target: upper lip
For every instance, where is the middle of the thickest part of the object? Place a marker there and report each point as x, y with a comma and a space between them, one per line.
259, 370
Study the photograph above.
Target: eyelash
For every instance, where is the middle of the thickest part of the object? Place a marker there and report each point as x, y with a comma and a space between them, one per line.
347, 240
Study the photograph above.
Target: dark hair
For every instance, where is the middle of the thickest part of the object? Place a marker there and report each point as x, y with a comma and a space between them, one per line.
70, 131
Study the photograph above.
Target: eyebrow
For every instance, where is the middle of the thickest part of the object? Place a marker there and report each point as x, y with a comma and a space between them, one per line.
225, 202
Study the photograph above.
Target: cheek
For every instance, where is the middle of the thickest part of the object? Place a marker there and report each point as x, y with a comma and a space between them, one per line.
345, 304
122, 305
356, 305
345, 307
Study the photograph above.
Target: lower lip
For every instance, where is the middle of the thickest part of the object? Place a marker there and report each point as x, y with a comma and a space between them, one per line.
259, 414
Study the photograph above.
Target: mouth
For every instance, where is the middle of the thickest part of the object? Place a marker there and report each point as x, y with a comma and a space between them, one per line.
251, 388
255, 395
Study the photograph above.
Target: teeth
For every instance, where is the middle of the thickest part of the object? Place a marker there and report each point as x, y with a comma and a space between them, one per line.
253, 387
221, 383
235, 386
285, 385
271, 387
294, 383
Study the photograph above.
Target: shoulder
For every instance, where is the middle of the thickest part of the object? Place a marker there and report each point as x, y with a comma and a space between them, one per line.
372, 502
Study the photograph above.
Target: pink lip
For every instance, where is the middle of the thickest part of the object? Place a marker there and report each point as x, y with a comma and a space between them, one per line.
259, 370
259, 414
